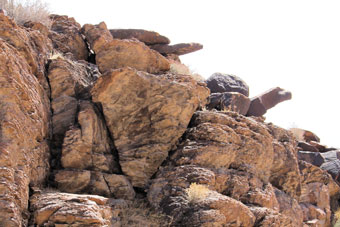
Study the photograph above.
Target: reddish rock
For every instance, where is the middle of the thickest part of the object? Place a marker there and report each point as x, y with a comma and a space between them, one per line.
261, 103
24, 125
115, 53
66, 37
229, 101
307, 147
91, 182
177, 49
220, 83
146, 115
147, 37
60, 209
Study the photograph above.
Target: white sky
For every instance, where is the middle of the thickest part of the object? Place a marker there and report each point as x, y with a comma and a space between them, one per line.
294, 44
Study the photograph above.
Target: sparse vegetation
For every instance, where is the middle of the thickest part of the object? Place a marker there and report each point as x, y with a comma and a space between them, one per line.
139, 213
197, 192
179, 68
27, 10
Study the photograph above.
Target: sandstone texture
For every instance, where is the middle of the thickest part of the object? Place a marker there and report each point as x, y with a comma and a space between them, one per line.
115, 53
104, 127
146, 115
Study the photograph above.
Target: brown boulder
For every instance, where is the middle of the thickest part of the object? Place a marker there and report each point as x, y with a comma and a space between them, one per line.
270, 218
146, 114
177, 49
227, 139
89, 146
91, 182
24, 129
62, 209
304, 135
115, 53
261, 103
147, 37
229, 101
304, 146
66, 37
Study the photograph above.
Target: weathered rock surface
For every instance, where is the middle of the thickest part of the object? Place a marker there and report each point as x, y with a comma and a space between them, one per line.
220, 82
84, 181
147, 37
62, 209
115, 53
146, 114
89, 146
24, 127
67, 38
229, 101
261, 103
304, 135
32, 45
177, 49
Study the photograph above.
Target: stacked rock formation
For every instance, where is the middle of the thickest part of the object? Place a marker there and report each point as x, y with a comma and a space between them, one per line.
99, 128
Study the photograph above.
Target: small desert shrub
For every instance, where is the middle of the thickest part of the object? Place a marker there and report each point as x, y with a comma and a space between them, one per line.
197, 192
56, 55
27, 10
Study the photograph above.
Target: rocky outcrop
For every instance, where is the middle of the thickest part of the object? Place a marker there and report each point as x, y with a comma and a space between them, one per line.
62, 209
115, 53
67, 38
146, 115
24, 119
219, 83
147, 37
261, 103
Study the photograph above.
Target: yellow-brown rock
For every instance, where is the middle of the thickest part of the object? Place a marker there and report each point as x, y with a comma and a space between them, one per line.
146, 115
62, 209
115, 53
66, 37
24, 125
147, 37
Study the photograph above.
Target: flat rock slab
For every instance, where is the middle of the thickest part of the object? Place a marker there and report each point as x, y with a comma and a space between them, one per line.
177, 49
63, 209
147, 37
221, 82
146, 114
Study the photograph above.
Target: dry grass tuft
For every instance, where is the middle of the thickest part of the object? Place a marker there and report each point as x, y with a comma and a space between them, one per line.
197, 192
27, 10
139, 213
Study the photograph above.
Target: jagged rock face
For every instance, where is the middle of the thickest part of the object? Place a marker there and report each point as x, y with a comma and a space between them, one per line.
146, 115
89, 146
220, 82
227, 140
115, 53
66, 37
62, 209
24, 125
32, 45
147, 37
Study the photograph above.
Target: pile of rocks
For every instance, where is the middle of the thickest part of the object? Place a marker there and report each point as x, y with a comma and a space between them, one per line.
88, 110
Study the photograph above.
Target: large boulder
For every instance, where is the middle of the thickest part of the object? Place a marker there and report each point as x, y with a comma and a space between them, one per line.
146, 114
62, 209
147, 37
116, 53
67, 38
220, 82
24, 129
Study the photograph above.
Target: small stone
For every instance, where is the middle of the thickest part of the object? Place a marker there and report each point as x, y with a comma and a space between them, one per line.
220, 82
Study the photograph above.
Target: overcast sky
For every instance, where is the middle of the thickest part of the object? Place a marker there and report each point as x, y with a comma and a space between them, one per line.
293, 44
